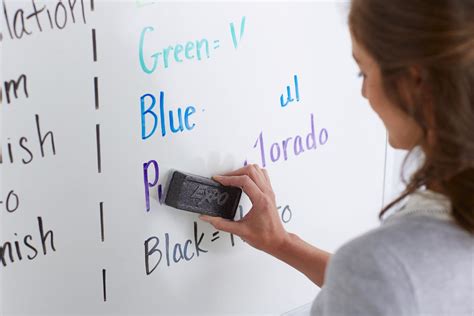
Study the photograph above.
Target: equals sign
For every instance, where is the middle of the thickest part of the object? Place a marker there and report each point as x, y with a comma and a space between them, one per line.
217, 44
215, 237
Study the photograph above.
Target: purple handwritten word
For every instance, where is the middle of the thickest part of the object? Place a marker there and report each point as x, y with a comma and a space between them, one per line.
296, 145
151, 166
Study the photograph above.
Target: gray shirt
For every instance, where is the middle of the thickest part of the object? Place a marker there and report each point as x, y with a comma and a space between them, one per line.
418, 262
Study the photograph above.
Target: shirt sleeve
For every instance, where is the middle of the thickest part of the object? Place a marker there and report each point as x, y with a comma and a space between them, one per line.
364, 278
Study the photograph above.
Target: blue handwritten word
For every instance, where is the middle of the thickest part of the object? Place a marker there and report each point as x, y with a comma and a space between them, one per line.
277, 151
147, 104
289, 99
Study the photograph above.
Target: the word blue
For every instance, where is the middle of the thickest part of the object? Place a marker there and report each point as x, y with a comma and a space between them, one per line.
174, 127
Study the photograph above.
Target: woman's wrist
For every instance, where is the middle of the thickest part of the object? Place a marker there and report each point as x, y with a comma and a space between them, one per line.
302, 256
283, 246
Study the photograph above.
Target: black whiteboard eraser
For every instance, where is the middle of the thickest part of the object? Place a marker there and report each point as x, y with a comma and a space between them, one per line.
201, 195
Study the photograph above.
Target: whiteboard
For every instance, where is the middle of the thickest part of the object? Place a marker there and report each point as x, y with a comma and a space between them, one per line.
225, 70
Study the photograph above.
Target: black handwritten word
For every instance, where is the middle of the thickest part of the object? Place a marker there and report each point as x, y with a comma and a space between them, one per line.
206, 194
285, 213
15, 85
24, 21
12, 202
7, 251
174, 252
215, 236
26, 149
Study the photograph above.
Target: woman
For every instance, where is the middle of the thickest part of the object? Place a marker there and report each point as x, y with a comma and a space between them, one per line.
417, 63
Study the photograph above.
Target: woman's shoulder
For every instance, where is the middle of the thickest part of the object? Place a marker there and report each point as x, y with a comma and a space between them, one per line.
364, 277
422, 224
411, 240
399, 267
402, 265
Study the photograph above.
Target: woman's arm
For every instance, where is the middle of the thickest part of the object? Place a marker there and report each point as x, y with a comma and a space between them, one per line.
262, 228
307, 259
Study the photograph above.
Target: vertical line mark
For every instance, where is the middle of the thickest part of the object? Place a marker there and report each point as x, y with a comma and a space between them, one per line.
232, 31
102, 220
160, 194
242, 27
384, 169
232, 240
97, 135
241, 32
94, 45
96, 92
104, 285
92, 5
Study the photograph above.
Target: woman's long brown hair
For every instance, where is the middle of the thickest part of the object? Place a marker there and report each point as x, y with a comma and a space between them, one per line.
437, 38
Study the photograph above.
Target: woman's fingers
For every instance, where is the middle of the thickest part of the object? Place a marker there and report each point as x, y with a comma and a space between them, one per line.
255, 173
237, 172
267, 177
245, 182
223, 224
262, 225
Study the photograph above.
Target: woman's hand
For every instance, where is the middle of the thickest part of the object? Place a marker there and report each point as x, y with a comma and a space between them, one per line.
261, 227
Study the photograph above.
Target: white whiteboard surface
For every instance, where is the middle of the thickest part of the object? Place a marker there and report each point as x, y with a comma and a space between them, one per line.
333, 192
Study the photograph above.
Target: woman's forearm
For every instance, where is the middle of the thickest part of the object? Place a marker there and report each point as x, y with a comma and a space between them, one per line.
304, 257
